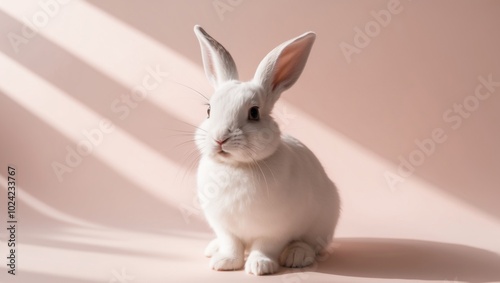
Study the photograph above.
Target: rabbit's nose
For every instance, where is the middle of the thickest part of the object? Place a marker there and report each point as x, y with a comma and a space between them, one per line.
221, 142
221, 134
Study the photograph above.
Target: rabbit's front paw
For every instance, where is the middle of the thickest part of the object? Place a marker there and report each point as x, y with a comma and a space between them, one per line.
297, 254
259, 264
220, 261
212, 248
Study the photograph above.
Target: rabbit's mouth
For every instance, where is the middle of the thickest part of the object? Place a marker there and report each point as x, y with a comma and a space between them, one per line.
223, 153
223, 156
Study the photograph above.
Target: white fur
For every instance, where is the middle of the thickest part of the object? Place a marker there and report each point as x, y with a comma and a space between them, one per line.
266, 193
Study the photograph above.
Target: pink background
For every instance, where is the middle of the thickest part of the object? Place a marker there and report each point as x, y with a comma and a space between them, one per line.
126, 211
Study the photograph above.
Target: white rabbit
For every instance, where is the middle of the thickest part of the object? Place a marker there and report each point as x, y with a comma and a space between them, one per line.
262, 192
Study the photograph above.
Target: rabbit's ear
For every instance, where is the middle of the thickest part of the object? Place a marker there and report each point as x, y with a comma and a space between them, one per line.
281, 68
218, 63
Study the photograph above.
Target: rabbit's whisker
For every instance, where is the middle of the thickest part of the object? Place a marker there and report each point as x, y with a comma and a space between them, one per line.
191, 88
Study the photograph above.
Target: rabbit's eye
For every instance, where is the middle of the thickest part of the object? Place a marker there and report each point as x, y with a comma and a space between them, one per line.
208, 112
253, 114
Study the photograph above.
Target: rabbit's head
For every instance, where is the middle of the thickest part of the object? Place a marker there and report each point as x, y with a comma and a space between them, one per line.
239, 127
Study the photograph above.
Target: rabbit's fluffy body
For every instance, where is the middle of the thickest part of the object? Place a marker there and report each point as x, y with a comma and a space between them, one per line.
262, 192
272, 198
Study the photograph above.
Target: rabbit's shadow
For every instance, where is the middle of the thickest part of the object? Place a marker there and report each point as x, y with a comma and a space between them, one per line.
408, 259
